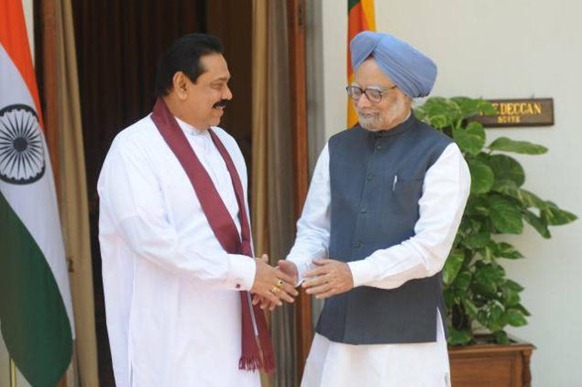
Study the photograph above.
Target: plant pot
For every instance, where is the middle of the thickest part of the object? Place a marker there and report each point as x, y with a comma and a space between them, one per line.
491, 365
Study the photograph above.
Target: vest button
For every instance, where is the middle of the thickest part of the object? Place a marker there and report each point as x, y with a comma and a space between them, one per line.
379, 147
358, 244
370, 177
364, 210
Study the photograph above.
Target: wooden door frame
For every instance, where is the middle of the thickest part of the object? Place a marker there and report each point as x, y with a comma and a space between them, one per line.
298, 86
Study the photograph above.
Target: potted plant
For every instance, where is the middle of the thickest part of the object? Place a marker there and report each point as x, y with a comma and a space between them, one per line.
479, 297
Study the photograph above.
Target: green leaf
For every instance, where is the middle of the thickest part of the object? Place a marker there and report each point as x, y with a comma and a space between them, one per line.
477, 205
510, 296
487, 252
482, 317
458, 337
470, 308
505, 216
452, 266
490, 273
537, 223
506, 168
505, 144
467, 106
501, 337
506, 250
513, 285
555, 216
440, 121
471, 138
471, 107
488, 277
505, 186
450, 295
463, 281
515, 318
523, 310
495, 320
528, 199
482, 177
476, 241
439, 112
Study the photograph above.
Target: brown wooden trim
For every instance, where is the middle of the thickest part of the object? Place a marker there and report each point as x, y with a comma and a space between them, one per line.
297, 80
46, 70
48, 61
489, 348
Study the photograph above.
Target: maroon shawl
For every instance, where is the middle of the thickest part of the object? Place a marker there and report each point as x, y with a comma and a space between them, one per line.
253, 318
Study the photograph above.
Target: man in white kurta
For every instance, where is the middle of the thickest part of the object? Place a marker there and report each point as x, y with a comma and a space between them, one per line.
336, 364
382, 95
171, 290
168, 283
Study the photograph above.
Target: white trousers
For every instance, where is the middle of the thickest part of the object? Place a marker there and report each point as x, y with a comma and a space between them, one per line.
331, 364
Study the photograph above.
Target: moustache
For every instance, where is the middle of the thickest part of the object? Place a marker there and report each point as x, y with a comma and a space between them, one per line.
220, 104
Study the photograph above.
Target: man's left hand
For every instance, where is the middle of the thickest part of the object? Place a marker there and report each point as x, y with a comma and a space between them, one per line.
329, 278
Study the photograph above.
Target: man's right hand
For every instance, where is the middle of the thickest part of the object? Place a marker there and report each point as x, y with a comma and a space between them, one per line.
272, 284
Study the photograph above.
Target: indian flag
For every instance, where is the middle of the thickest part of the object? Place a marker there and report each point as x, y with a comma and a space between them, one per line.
360, 18
36, 317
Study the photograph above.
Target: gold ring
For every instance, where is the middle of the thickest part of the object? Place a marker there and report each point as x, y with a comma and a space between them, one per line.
275, 289
280, 283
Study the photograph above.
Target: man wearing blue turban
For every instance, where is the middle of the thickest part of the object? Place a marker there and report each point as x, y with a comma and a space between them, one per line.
380, 218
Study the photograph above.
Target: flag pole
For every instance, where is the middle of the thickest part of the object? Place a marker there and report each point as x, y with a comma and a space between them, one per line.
12, 373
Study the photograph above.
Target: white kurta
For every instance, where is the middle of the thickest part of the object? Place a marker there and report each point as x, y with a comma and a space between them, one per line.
445, 191
171, 291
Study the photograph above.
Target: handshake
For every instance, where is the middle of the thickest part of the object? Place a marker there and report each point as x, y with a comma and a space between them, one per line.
273, 285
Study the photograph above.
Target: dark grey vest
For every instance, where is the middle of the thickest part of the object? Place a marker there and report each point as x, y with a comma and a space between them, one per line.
376, 182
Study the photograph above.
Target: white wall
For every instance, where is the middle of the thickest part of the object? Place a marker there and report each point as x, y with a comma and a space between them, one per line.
326, 30
503, 49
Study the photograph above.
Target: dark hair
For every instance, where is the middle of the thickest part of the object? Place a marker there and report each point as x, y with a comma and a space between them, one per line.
184, 55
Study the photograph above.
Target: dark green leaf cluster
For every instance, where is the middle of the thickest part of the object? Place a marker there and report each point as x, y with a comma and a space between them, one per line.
478, 295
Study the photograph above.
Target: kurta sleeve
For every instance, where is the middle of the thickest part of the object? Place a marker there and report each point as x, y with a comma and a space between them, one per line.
131, 196
312, 240
445, 191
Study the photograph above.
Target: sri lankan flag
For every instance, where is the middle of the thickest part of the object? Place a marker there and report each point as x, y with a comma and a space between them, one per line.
360, 18
35, 302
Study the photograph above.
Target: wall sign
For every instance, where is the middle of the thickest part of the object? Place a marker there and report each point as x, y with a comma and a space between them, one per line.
519, 112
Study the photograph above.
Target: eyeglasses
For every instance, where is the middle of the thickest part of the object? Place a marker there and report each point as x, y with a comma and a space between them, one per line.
374, 95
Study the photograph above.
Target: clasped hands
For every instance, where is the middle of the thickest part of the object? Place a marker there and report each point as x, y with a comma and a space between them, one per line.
273, 285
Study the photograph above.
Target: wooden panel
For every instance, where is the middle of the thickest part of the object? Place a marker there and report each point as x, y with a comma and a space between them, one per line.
491, 366
231, 21
501, 371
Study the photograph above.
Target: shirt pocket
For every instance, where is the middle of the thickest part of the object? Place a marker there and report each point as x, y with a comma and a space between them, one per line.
404, 194
402, 185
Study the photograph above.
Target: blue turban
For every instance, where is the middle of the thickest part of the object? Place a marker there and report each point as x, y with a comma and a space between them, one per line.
413, 72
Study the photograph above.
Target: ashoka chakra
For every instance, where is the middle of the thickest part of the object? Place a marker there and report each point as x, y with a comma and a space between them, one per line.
21, 145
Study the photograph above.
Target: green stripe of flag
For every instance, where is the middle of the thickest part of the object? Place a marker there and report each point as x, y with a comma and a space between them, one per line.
34, 322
